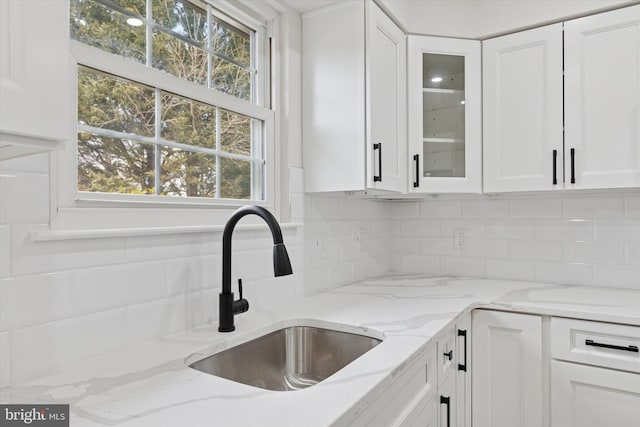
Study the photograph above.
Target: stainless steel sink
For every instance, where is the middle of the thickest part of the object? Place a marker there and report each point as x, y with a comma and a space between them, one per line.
288, 359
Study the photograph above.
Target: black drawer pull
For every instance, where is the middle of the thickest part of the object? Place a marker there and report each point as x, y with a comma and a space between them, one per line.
463, 333
555, 167
378, 146
447, 401
573, 165
449, 355
416, 183
631, 348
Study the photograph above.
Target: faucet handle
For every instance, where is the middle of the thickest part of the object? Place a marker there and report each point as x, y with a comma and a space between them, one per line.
240, 305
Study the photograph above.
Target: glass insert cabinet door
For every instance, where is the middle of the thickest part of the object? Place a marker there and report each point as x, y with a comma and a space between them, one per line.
444, 115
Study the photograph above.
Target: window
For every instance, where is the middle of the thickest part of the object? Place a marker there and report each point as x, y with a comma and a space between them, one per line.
171, 101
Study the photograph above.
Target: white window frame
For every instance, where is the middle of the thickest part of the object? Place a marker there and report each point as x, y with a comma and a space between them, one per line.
74, 209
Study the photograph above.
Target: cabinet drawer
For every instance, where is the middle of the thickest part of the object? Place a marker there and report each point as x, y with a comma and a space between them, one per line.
413, 388
595, 343
446, 357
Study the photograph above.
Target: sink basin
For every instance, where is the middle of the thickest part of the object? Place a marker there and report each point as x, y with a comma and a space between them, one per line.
292, 358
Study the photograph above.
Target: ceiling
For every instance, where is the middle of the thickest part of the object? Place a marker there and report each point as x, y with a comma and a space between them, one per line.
303, 6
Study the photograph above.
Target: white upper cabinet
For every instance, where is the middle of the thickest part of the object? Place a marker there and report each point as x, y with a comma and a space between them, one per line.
444, 111
522, 107
524, 147
35, 76
602, 100
354, 91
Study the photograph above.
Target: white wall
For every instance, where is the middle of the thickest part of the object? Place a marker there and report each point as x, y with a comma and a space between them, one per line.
481, 19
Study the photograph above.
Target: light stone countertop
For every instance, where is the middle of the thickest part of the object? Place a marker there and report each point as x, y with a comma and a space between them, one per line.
151, 384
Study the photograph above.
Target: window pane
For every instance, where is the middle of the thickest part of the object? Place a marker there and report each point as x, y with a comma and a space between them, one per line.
188, 174
99, 26
117, 104
136, 6
235, 179
229, 78
112, 165
187, 121
181, 59
235, 133
231, 42
182, 18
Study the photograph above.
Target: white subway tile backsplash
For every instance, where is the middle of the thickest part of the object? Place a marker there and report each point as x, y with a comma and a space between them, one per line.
425, 264
30, 300
5, 251
325, 208
564, 273
420, 227
441, 209
118, 286
437, 246
486, 208
5, 359
341, 274
535, 208
42, 349
268, 291
487, 248
471, 227
594, 252
349, 209
540, 250
569, 229
18, 209
632, 253
625, 230
625, 276
462, 266
405, 210
632, 206
593, 207
404, 245
187, 275
45, 257
156, 319
510, 269
510, 229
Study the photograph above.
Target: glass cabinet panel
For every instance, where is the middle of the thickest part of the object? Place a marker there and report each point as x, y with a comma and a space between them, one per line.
443, 115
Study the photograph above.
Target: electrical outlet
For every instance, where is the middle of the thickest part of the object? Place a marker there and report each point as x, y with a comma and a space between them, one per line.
458, 239
321, 246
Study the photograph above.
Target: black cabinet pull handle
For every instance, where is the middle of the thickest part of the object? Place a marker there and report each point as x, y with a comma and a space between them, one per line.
631, 348
463, 333
378, 146
573, 165
416, 158
449, 355
555, 160
446, 401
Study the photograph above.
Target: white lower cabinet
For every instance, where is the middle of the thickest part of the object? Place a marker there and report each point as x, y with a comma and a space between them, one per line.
434, 391
595, 374
587, 396
507, 370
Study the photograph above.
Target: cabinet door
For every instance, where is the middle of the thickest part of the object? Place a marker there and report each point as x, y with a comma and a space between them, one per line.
386, 94
522, 111
586, 396
447, 400
602, 100
444, 115
507, 370
463, 372
30, 105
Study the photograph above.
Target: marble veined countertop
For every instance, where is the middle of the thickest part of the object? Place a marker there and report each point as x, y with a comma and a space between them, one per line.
151, 384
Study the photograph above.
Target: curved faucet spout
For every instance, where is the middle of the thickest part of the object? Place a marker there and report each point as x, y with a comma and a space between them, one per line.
281, 263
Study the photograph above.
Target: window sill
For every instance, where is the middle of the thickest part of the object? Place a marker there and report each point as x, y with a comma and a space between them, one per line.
67, 235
